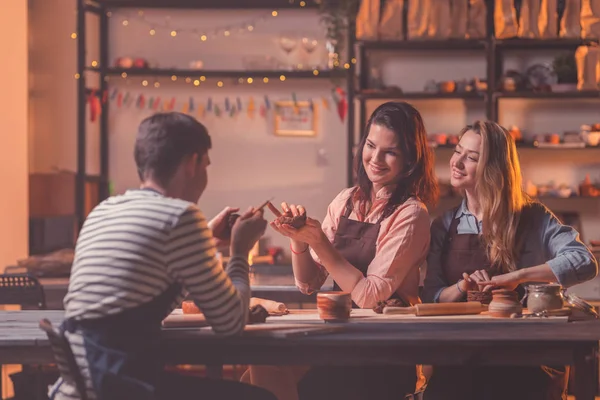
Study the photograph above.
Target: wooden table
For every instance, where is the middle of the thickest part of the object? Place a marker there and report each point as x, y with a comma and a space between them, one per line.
364, 341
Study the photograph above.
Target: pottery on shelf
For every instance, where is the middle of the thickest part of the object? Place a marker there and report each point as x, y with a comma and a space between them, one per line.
504, 304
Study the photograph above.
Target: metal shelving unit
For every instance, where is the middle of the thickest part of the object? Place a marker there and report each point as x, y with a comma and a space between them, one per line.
104, 70
489, 47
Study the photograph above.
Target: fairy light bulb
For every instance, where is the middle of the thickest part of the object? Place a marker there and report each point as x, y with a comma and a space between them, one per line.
125, 22
250, 28
266, 80
202, 78
94, 63
196, 82
124, 75
315, 72
188, 80
152, 32
73, 35
203, 38
157, 84
144, 83
250, 80
302, 4
226, 33
220, 84
274, 13
282, 78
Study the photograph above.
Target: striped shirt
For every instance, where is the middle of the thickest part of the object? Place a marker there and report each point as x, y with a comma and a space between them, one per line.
134, 246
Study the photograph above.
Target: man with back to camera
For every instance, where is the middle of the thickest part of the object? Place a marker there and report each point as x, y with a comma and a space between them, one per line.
138, 254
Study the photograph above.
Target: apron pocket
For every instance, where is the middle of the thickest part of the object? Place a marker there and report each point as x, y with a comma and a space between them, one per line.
108, 372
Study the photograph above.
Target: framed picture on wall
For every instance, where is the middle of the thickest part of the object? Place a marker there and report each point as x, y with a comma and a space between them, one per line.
295, 118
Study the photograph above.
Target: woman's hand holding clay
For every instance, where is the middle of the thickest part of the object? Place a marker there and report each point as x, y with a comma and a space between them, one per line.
478, 280
294, 223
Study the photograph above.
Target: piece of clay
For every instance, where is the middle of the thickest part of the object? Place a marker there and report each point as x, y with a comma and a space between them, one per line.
388, 303
258, 314
296, 221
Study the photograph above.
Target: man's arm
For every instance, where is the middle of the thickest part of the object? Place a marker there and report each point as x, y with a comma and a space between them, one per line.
222, 296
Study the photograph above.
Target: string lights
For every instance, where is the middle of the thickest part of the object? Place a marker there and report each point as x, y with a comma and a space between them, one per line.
155, 27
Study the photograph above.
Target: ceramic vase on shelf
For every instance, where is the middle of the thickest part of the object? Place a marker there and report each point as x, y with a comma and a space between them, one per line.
333, 56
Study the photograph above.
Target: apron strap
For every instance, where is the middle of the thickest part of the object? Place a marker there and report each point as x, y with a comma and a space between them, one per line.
348, 208
452, 230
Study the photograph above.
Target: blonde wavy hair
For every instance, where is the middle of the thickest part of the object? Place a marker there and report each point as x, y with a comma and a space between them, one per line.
500, 194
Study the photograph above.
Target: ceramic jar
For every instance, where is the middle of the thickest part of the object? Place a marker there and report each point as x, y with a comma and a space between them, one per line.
334, 306
544, 297
504, 304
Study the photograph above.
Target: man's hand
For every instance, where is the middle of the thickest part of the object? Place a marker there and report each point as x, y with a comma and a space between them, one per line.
219, 226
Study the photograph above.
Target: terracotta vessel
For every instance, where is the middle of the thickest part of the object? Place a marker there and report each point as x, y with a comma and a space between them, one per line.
482, 297
334, 306
504, 304
544, 297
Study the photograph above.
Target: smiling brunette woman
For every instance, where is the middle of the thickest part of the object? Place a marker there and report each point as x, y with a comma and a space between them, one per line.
373, 241
498, 238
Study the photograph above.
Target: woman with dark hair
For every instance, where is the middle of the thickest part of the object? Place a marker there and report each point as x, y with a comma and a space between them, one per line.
498, 238
373, 241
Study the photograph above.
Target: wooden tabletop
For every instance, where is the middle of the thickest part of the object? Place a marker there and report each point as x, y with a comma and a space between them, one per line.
20, 328
367, 339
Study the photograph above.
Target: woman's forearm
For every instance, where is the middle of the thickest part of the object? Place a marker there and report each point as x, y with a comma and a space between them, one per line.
452, 293
344, 273
303, 265
539, 273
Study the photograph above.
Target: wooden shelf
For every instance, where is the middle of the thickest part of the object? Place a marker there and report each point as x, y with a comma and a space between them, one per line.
295, 74
451, 44
542, 44
420, 95
205, 4
583, 94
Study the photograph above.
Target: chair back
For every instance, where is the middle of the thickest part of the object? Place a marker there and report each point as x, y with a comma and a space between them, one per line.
64, 358
23, 289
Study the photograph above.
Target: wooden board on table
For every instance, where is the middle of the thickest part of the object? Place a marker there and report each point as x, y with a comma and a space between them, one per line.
366, 315
271, 328
180, 320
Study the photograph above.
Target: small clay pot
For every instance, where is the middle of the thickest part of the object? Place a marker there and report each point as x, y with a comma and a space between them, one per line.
334, 306
504, 304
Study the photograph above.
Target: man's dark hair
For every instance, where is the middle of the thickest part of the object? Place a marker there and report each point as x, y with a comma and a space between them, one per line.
164, 140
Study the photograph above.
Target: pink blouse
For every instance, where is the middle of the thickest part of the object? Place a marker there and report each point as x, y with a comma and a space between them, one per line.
402, 247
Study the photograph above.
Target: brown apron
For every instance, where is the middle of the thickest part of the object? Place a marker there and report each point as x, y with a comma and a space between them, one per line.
357, 243
466, 253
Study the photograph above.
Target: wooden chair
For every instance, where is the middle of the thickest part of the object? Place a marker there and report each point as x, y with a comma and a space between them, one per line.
65, 360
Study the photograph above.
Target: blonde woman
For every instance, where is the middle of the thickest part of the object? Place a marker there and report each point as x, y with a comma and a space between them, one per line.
498, 238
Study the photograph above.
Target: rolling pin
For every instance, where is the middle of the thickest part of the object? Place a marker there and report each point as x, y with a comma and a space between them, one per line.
468, 308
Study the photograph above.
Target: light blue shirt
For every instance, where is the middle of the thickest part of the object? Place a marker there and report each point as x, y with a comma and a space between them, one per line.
548, 242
